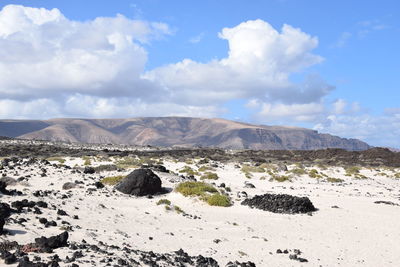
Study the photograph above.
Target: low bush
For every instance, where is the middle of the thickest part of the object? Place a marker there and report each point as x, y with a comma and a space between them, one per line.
218, 200
59, 159
178, 209
298, 171
163, 201
87, 161
352, 170
209, 176
112, 180
313, 173
195, 188
280, 178
248, 169
206, 168
334, 180
188, 170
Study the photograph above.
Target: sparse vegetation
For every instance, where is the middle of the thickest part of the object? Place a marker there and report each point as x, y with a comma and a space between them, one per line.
397, 175
164, 201
313, 173
178, 209
112, 180
127, 163
87, 161
108, 167
188, 170
298, 171
279, 178
249, 169
334, 180
352, 170
195, 188
209, 176
206, 168
59, 159
205, 191
218, 200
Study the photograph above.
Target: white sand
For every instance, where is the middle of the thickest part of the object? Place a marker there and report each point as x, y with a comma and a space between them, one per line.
358, 233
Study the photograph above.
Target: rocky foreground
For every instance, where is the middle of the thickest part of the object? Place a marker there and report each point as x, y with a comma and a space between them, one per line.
96, 207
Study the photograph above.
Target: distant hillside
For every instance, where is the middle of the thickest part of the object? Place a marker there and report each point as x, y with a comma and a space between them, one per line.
176, 131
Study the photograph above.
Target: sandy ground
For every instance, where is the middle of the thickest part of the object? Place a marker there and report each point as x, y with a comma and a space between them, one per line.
348, 229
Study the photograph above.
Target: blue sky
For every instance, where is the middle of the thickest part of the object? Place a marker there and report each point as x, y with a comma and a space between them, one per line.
350, 48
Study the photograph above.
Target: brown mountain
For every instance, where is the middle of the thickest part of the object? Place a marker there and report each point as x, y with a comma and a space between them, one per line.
176, 131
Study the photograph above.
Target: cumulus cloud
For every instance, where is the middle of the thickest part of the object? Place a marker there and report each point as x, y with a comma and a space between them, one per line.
46, 55
381, 130
259, 64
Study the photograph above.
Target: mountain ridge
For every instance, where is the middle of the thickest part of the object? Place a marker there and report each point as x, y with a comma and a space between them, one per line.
176, 131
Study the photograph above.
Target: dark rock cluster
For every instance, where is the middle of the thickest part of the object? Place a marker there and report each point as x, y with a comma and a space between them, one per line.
280, 203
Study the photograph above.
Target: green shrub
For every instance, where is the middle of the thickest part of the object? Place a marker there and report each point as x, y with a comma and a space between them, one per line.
112, 180
352, 170
59, 159
298, 171
87, 161
248, 169
195, 188
206, 168
209, 176
360, 176
280, 178
313, 173
188, 170
218, 200
163, 201
334, 180
178, 209
127, 163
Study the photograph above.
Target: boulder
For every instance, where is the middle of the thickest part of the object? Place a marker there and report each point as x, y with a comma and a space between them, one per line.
5, 212
69, 185
280, 203
140, 182
47, 244
8, 180
89, 170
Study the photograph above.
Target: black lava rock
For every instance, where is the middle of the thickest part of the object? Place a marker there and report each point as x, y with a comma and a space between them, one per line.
89, 170
5, 212
140, 182
48, 244
280, 203
98, 185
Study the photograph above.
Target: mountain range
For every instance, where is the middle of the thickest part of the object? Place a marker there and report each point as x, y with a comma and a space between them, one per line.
176, 131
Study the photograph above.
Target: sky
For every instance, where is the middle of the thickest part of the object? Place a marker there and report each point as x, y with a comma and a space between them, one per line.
332, 66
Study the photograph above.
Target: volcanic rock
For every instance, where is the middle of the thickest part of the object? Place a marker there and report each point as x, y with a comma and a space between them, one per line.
89, 170
48, 244
69, 185
140, 182
280, 203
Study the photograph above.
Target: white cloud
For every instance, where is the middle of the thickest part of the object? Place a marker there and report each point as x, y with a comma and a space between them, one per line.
292, 113
259, 64
382, 130
197, 39
46, 55
342, 40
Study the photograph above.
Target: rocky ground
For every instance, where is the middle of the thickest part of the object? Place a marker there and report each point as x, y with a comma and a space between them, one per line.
96, 206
